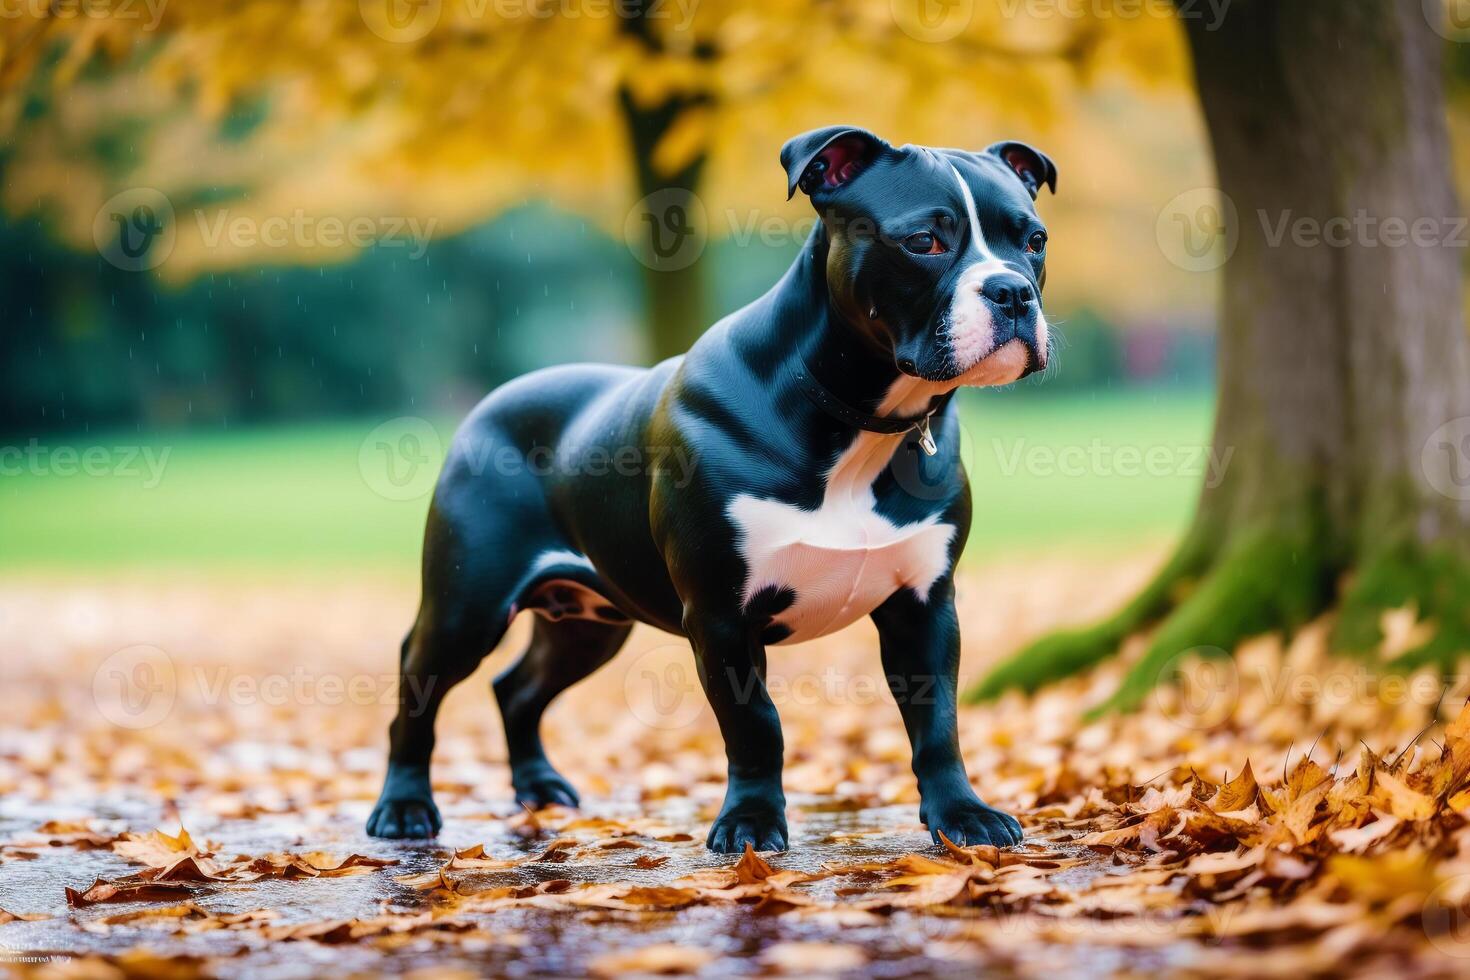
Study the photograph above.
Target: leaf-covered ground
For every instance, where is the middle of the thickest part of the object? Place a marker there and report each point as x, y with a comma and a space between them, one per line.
185, 769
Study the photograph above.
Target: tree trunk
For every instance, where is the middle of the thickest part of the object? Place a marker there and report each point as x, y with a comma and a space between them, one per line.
1344, 360
668, 226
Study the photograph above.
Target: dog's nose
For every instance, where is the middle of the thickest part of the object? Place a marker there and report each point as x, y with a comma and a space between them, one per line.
1010, 292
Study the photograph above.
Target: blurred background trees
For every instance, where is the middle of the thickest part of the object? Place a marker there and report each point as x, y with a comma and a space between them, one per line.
545, 148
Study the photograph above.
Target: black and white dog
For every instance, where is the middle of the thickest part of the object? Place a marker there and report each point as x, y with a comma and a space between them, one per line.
826, 485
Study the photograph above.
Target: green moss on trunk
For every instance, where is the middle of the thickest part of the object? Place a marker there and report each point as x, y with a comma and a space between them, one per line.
1268, 579
1273, 577
1435, 581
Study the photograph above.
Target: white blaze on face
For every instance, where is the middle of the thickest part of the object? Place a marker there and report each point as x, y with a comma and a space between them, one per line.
971, 323
844, 558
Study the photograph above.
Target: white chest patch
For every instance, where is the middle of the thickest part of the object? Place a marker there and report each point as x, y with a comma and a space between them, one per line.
844, 558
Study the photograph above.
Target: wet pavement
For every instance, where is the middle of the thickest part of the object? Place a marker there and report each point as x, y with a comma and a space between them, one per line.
507, 941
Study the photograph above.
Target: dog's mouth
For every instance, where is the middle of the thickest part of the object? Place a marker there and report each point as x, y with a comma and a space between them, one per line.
976, 346
1008, 363
1020, 347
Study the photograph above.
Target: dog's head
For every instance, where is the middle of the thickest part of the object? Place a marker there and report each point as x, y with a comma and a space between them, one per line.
937, 254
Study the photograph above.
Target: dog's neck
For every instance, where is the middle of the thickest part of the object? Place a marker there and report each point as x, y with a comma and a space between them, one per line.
838, 352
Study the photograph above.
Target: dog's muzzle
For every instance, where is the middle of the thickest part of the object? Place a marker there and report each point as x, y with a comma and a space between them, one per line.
1015, 315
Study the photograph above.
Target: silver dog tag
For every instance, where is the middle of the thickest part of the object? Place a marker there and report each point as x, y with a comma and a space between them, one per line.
926, 438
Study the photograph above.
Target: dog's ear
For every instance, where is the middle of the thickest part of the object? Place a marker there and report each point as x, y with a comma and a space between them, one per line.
1030, 164
828, 157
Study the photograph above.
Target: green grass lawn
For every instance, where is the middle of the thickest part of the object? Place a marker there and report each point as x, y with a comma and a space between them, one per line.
1091, 471
1106, 471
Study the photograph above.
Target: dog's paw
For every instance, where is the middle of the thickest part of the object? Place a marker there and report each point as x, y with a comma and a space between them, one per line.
968, 822
404, 817
761, 825
543, 787
406, 806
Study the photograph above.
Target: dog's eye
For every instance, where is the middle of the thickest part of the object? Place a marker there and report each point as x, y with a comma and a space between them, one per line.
924, 243
1036, 244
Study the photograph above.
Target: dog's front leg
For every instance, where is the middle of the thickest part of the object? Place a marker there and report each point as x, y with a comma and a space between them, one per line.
920, 643
732, 669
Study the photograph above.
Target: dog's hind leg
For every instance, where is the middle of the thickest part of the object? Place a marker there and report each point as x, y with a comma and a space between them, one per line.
444, 647
561, 653
471, 573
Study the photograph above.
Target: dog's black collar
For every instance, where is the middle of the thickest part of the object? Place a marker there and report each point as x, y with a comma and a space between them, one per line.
884, 424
